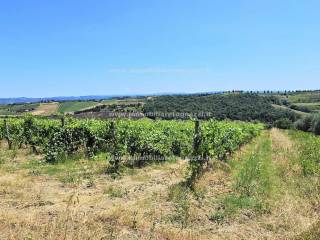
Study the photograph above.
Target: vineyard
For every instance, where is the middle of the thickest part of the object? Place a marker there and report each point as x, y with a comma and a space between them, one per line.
120, 139
156, 179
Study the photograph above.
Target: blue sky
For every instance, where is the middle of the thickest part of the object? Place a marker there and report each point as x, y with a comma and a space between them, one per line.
82, 47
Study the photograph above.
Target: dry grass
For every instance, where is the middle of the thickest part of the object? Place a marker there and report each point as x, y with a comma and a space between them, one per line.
147, 203
46, 109
284, 153
294, 213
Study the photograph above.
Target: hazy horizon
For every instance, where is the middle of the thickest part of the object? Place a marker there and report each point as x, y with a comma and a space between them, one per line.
157, 94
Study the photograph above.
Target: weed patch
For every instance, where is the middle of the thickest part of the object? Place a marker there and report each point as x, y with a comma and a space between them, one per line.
252, 185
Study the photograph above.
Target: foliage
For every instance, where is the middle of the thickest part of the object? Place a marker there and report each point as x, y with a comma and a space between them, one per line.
234, 106
125, 139
316, 124
133, 138
304, 97
217, 140
17, 109
72, 106
283, 123
301, 108
221, 138
309, 154
310, 123
304, 124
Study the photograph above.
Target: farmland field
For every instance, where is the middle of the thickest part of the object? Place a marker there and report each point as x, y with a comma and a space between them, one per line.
305, 97
68, 177
46, 109
301, 102
315, 106
72, 106
159, 120
17, 109
253, 182
123, 101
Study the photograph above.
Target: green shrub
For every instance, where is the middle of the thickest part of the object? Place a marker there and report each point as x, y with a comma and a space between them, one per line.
316, 124
304, 124
309, 123
283, 123
300, 108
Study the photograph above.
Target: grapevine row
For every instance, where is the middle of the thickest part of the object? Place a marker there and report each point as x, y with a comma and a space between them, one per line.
57, 139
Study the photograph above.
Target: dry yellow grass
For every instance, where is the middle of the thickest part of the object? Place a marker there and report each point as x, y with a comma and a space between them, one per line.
46, 109
292, 214
138, 205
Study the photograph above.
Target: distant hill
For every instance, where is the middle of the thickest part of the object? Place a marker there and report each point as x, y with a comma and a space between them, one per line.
235, 106
265, 106
295, 96
5, 101
21, 100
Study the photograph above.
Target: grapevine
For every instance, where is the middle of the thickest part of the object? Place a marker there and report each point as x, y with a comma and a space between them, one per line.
127, 138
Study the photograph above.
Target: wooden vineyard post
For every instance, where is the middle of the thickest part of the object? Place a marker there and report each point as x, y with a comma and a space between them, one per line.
63, 121
7, 134
29, 132
195, 163
115, 161
197, 139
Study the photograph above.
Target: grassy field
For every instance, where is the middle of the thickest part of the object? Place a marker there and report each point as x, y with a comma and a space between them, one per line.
289, 109
270, 189
311, 106
304, 102
17, 109
304, 97
72, 106
123, 101
46, 109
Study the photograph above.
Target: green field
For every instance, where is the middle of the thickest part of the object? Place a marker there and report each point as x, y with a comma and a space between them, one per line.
17, 109
72, 106
123, 101
315, 106
307, 102
304, 97
300, 113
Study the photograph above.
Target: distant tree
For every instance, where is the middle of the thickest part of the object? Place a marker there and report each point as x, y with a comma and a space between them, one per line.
242, 106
